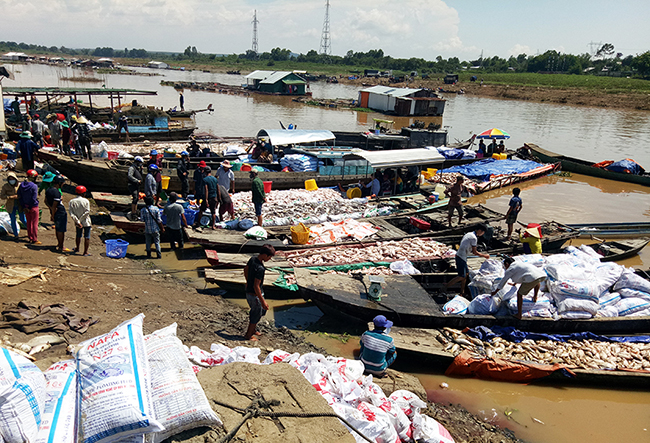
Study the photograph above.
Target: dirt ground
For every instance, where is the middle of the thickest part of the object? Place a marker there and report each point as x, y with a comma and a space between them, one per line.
570, 96
114, 290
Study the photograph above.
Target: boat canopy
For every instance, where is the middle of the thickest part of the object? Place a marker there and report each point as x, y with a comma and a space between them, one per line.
398, 157
281, 137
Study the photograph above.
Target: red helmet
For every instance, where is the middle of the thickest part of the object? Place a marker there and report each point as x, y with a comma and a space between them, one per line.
81, 190
32, 173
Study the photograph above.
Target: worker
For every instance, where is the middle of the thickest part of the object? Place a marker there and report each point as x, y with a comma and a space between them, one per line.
199, 190
372, 188
258, 195
155, 159
38, 127
528, 276
9, 193
28, 200
377, 347
454, 193
514, 207
211, 194
27, 150
467, 245
153, 226
135, 180
150, 186
226, 177
531, 238
254, 274
183, 173
58, 214
79, 208
175, 215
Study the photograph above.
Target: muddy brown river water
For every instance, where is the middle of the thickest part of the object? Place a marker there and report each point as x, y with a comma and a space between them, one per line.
568, 414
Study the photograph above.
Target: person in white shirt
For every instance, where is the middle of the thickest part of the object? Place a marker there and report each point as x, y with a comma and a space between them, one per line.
225, 176
80, 213
467, 246
528, 276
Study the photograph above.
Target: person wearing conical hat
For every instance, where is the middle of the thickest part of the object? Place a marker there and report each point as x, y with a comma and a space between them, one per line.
27, 150
531, 238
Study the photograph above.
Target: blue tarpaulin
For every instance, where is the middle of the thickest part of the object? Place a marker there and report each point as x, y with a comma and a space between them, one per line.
452, 154
483, 169
515, 335
6, 103
626, 166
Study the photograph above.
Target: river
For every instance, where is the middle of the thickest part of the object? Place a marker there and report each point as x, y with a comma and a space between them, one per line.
568, 414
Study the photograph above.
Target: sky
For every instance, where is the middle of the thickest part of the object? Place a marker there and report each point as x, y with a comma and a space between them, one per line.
402, 28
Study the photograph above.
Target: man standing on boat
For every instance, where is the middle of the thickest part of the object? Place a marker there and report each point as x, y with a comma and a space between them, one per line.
254, 275
37, 130
454, 193
514, 207
156, 160
183, 173
259, 196
27, 150
150, 185
181, 101
377, 347
199, 190
528, 276
467, 246
123, 123
135, 179
226, 177
54, 129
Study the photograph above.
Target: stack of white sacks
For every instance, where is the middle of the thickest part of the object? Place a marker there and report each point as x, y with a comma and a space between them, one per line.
579, 286
300, 162
124, 387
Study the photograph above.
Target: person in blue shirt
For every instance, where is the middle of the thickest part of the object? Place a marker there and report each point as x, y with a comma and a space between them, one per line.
377, 347
374, 187
153, 226
515, 206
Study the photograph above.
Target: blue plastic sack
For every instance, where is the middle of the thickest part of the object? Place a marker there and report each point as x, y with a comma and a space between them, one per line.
245, 224
626, 166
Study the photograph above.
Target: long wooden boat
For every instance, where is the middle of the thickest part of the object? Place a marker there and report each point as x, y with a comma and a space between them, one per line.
279, 236
233, 280
612, 230
406, 302
583, 167
168, 134
421, 345
619, 250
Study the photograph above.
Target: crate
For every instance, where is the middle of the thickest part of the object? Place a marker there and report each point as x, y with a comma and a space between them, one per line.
116, 248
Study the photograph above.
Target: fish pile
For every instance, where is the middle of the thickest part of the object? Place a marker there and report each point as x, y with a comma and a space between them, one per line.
373, 270
35, 345
449, 178
411, 249
583, 354
293, 206
172, 147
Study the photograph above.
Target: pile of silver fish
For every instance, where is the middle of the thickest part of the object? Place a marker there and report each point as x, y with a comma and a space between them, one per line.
411, 249
173, 147
373, 270
292, 206
37, 344
574, 354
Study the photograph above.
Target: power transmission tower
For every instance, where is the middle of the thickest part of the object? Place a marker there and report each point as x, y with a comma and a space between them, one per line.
255, 22
325, 40
594, 47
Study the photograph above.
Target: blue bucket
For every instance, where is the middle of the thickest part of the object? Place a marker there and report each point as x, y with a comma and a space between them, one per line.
116, 248
190, 216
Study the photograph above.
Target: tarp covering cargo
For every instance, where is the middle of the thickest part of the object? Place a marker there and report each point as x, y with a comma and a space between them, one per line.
498, 369
627, 166
484, 169
511, 334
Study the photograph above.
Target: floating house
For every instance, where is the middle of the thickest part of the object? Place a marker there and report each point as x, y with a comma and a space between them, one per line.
402, 101
15, 56
157, 65
276, 82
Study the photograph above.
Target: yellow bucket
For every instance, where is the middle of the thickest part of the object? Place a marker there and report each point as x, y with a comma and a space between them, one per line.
353, 193
299, 234
165, 181
310, 185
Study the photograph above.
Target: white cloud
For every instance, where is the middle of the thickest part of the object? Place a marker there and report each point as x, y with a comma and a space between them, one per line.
403, 28
519, 49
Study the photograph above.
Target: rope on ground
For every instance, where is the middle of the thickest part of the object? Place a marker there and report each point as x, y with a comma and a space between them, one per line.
254, 410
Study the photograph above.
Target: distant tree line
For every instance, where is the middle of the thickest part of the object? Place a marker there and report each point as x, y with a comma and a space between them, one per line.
605, 61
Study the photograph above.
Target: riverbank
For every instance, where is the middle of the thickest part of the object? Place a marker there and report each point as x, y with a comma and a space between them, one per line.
111, 291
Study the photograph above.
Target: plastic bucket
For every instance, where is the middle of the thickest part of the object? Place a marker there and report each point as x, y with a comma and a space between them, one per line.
267, 187
165, 181
112, 155
353, 193
116, 248
246, 167
190, 216
311, 185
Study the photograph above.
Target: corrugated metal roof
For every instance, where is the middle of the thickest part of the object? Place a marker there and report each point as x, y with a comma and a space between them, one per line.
275, 77
259, 75
69, 91
281, 137
387, 90
398, 157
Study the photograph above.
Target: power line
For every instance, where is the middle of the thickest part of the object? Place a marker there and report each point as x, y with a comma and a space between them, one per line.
325, 39
255, 22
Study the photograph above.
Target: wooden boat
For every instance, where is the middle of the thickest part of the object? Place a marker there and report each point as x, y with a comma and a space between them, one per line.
234, 281
168, 134
407, 303
280, 236
619, 250
581, 166
129, 226
612, 230
421, 345
113, 202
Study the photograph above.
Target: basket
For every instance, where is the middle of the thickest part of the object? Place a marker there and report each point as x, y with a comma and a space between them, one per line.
165, 181
300, 234
116, 248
